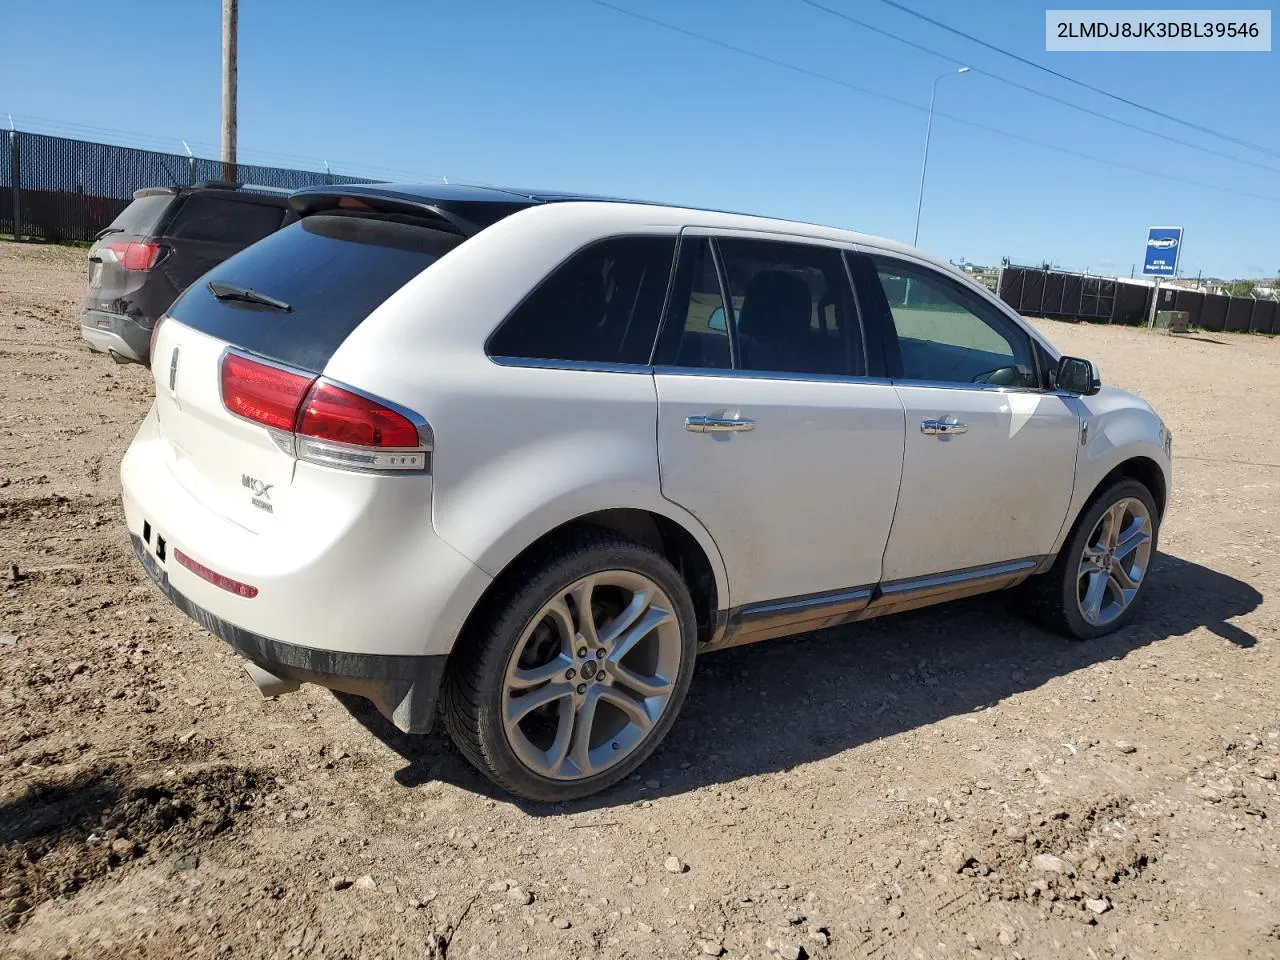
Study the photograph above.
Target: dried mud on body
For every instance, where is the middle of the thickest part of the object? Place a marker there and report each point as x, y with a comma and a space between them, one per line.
951, 783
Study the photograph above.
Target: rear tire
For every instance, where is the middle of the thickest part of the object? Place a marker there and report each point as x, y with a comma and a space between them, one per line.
1095, 584
607, 686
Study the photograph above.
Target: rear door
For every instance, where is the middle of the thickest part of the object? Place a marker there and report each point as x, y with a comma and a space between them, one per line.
990, 452
769, 429
326, 274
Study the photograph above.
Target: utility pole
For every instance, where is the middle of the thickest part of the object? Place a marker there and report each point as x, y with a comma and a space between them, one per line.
230, 14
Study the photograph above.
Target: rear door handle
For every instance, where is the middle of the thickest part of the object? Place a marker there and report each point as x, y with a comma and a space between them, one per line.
947, 427
703, 424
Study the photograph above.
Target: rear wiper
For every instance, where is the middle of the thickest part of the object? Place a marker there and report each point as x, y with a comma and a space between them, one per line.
229, 291
105, 230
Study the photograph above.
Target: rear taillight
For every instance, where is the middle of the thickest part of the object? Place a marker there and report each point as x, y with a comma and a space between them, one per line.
325, 423
332, 413
138, 255
261, 392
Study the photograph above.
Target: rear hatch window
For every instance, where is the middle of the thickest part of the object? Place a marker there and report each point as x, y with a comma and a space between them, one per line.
322, 275
140, 218
209, 217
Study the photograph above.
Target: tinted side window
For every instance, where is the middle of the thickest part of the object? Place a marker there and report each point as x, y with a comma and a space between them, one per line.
696, 334
947, 334
218, 220
793, 307
601, 306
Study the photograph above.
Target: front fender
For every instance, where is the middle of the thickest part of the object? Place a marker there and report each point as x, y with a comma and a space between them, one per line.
1118, 427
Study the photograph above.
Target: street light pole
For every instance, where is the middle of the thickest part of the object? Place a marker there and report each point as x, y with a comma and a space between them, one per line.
928, 129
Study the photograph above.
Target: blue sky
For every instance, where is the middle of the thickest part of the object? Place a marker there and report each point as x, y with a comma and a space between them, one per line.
568, 94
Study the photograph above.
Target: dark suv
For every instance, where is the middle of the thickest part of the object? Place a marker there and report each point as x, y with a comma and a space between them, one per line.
155, 249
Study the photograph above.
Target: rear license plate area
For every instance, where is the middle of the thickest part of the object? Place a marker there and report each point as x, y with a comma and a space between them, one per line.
153, 553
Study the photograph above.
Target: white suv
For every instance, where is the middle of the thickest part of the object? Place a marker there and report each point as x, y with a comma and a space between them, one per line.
523, 456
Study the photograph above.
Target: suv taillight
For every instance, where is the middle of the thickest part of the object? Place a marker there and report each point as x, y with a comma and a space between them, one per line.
137, 255
324, 423
331, 413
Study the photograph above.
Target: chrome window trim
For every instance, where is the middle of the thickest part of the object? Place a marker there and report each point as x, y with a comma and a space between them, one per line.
589, 366
674, 371
984, 387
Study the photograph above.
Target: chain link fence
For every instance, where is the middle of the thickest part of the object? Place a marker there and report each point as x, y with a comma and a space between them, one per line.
57, 189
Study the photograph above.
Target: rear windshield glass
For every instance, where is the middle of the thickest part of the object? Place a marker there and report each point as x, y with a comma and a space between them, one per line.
140, 217
205, 216
331, 270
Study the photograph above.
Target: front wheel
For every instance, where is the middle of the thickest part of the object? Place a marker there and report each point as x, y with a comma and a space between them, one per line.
577, 670
1100, 573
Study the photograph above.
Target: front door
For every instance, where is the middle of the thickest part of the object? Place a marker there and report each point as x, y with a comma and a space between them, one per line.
990, 454
768, 429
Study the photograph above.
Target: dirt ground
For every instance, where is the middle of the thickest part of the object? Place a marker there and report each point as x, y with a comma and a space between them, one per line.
952, 783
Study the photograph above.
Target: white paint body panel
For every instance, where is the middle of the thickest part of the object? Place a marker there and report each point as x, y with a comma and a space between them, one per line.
804, 503
801, 503
1120, 426
998, 492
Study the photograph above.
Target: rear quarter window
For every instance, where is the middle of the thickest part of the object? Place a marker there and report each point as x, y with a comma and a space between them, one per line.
601, 306
221, 220
332, 271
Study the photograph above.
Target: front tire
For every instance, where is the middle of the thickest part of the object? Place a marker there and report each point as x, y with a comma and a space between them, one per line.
576, 669
1099, 576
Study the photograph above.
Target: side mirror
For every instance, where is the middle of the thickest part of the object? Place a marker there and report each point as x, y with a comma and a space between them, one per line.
1079, 376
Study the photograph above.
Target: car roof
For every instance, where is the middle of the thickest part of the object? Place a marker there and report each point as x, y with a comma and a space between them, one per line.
479, 206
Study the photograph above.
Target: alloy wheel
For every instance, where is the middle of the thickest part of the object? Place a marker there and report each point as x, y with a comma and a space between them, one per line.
1114, 560
591, 675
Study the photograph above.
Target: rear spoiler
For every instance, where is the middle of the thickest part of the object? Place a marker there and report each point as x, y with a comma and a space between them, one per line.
312, 200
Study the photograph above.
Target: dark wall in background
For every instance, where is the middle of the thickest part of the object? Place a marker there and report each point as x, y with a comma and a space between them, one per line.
1054, 293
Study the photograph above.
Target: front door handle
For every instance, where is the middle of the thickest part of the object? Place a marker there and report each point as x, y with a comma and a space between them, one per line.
947, 427
702, 424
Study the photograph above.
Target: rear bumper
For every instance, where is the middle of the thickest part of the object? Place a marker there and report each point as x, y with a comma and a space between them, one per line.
116, 334
403, 688
354, 590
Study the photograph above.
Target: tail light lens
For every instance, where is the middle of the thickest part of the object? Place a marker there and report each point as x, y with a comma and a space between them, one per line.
325, 423
138, 255
331, 413
261, 392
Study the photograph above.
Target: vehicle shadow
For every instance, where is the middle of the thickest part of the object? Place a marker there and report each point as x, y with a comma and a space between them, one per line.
52, 813
771, 706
